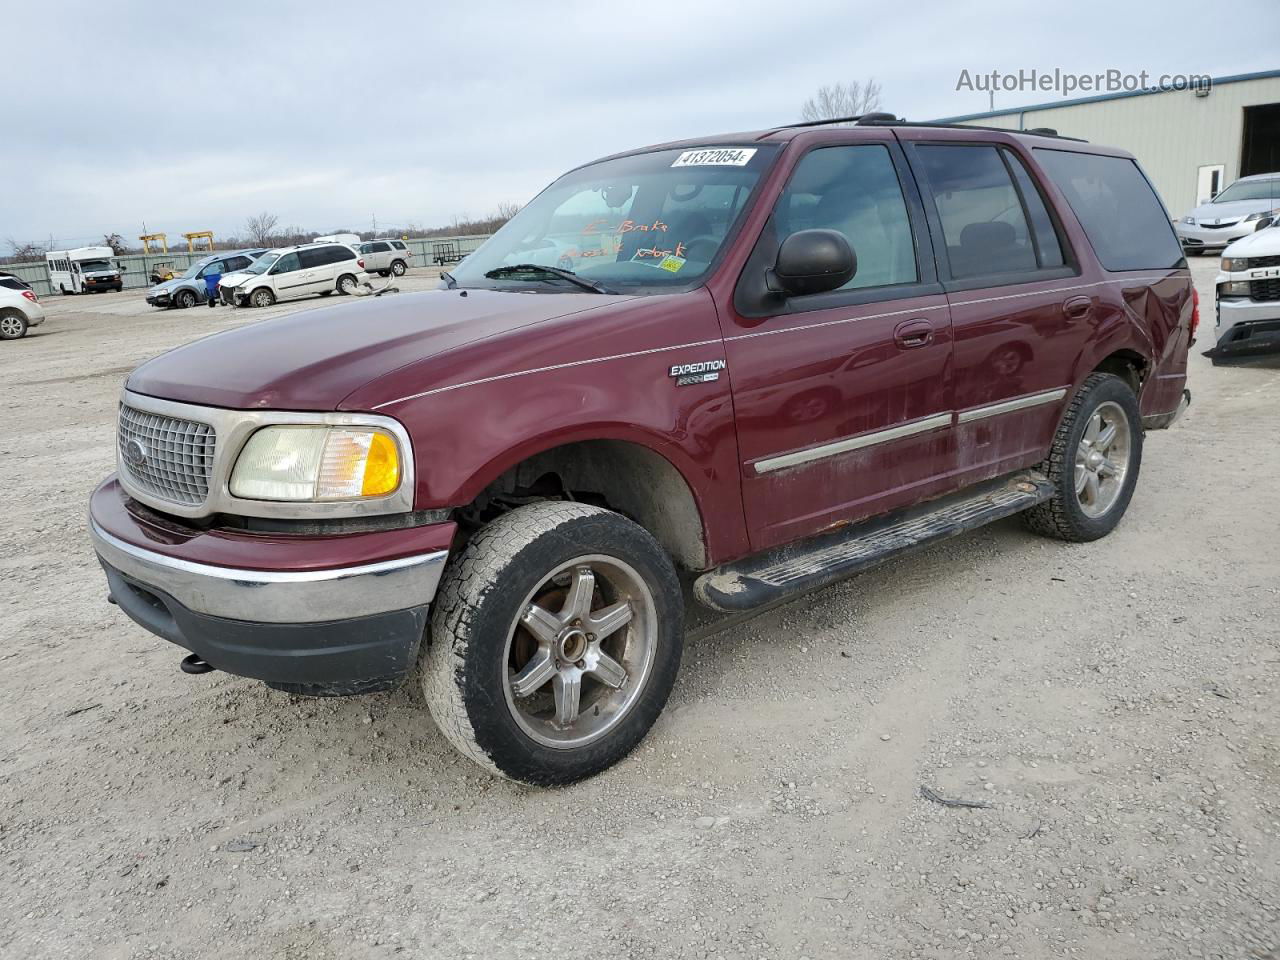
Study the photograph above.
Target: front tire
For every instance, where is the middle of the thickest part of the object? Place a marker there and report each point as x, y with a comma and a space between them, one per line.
554, 642
262, 297
1093, 463
185, 299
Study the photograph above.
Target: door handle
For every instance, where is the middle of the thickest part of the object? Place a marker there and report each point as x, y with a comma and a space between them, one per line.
1077, 308
913, 333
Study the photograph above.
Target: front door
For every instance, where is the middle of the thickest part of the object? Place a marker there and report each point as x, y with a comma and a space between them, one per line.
289, 278
842, 399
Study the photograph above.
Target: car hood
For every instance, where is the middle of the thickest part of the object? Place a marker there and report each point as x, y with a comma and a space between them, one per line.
1264, 243
1233, 210
168, 286
311, 360
234, 279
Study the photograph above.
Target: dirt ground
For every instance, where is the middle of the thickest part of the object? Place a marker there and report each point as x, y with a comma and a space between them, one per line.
1113, 703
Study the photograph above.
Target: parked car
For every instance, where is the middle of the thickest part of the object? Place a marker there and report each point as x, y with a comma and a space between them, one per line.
1248, 299
1247, 205
798, 353
191, 287
290, 272
13, 282
385, 257
20, 309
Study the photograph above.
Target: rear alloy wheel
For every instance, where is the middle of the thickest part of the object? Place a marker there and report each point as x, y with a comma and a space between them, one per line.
346, 283
185, 299
1093, 463
13, 326
554, 642
262, 297
398, 267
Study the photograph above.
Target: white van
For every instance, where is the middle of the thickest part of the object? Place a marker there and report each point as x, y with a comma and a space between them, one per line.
83, 270
309, 269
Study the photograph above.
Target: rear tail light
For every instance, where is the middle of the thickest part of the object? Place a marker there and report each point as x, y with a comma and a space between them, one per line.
30, 296
360, 263
1195, 312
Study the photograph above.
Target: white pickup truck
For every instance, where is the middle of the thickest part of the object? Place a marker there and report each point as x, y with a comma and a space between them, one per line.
1248, 299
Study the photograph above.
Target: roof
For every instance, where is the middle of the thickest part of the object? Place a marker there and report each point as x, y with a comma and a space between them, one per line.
1054, 104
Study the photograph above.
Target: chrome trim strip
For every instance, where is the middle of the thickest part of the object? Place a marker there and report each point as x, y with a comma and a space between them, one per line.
232, 429
1009, 406
798, 457
273, 596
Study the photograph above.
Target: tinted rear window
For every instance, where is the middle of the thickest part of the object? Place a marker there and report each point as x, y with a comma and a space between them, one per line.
1120, 213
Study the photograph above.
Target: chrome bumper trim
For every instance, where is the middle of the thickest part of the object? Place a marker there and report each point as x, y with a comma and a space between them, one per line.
272, 596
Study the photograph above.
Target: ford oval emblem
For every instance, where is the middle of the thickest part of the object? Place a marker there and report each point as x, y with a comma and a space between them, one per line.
135, 454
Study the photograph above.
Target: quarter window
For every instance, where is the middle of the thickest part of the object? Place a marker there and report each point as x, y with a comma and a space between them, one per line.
983, 222
1121, 215
853, 190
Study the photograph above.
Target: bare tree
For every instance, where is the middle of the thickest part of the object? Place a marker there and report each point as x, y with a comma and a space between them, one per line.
836, 100
27, 250
261, 229
506, 210
115, 242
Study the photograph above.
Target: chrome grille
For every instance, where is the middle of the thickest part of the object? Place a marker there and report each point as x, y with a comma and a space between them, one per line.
176, 455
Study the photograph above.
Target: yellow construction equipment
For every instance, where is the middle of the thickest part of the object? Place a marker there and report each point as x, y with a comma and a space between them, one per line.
206, 235
156, 238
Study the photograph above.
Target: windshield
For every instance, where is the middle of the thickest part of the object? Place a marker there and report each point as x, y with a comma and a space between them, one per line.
262, 264
88, 265
636, 224
1250, 190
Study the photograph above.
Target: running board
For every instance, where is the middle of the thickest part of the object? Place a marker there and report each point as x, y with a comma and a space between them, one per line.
828, 557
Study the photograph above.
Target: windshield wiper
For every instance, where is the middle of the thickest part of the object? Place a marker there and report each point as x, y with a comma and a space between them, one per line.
498, 272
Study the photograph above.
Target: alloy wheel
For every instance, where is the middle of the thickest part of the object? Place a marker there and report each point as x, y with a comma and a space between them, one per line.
580, 652
1102, 459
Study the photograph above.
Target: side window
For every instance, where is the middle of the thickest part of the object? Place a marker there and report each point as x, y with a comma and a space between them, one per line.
338, 254
983, 222
398, 244
1121, 215
365, 248
381, 247
286, 264
237, 263
854, 190
1048, 249
313, 257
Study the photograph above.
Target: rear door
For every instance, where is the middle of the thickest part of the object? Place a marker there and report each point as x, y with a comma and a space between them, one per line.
1020, 312
317, 267
842, 399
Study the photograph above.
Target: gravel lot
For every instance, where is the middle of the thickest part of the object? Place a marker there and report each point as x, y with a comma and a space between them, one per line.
1113, 703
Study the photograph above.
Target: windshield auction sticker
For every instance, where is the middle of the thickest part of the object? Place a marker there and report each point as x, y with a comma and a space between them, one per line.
719, 157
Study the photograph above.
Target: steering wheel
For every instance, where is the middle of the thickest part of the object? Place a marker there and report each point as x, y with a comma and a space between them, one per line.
706, 240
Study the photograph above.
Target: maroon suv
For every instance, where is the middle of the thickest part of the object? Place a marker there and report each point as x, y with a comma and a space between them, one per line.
768, 359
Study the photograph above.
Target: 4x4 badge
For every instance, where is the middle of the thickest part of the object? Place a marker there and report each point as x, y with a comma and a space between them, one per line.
687, 374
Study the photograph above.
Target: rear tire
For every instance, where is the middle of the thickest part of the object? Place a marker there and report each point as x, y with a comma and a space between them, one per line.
1093, 463
398, 267
262, 297
13, 325
346, 283
558, 693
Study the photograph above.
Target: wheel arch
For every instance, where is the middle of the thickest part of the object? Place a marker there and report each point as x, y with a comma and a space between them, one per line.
1129, 365
624, 473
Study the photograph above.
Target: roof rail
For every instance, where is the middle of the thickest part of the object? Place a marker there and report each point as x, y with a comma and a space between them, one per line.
861, 118
1043, 131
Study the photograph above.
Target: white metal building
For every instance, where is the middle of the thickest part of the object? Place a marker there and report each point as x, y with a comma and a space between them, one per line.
1192, 143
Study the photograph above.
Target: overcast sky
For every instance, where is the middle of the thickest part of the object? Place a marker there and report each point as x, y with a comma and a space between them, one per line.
195, 116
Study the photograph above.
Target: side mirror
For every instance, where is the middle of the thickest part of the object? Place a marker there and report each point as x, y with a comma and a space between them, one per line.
813, 261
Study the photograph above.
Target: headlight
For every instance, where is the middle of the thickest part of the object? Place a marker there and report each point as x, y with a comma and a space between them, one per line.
1190, 220
1236, 288
1258, 216
1234, 264
304, 463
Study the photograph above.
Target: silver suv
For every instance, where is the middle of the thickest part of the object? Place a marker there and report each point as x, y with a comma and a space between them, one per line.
385, 257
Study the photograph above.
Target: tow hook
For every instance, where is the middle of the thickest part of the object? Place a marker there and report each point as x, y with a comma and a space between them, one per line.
193, 664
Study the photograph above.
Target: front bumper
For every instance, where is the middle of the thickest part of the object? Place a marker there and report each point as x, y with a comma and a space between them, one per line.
1212, 238
1246, 328
335, 629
